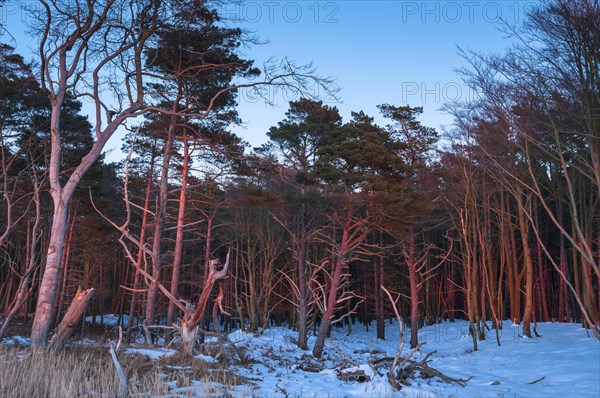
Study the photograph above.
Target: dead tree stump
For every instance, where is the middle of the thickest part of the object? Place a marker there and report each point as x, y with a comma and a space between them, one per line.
71, 319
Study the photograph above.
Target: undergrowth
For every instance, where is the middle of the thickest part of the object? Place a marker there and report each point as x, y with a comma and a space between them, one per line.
81, 371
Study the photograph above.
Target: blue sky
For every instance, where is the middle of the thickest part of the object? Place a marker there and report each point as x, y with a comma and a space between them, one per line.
397, 52
389, 51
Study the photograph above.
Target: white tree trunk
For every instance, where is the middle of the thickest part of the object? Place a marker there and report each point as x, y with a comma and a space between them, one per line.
49, 286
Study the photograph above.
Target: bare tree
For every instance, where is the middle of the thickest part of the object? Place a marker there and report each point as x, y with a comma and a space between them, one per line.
545, 92
87, 50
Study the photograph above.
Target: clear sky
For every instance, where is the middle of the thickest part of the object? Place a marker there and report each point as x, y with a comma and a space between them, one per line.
387, 51
383, 51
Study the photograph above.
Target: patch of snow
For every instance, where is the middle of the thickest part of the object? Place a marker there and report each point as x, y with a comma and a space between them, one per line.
206, 358
151, 353
176, 367
86, 342
17, 340
107, 319
212, 389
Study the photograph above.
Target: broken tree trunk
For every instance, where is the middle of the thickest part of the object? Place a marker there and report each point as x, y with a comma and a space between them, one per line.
189, 323
71, 318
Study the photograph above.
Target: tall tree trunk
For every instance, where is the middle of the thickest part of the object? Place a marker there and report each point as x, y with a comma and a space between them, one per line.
140, 253
379, 295
159, 224
179, 237
208, 251
61, 196
302, 247
49, 286
527, 263
65, 262
517, 277
564, 313
414, 288
543, 286
327, 317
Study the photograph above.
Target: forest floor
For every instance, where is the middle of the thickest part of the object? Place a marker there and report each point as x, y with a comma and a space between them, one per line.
564, 362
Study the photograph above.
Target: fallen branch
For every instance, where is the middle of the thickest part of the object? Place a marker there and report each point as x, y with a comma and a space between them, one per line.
537, 381
391, 377
122, 377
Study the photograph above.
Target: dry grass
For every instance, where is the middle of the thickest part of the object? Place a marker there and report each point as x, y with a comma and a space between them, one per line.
35, 373
81, 371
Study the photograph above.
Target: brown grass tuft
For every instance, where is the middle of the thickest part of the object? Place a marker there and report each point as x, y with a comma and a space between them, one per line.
71, 373
82, 370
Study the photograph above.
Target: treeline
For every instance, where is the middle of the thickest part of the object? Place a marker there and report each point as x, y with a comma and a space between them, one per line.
332, 222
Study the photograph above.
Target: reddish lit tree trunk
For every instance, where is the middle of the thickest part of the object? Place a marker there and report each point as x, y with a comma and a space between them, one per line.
527, 262
414, 288
63, 283
353, 235
564, 312
208, 250
140, 253
189, 323
336, 277
159, 223
179, 237
303, 299
68, 54
49, 284
379, 296
542, 275
515, 279
72, 318
451, 289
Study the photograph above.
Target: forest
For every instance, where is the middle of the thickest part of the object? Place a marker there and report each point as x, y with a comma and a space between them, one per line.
333, 224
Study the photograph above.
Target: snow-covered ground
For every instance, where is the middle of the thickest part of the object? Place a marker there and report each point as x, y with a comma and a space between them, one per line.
565, 357
564, 362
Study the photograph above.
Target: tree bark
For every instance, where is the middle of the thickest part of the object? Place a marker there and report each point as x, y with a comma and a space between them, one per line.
189, 330
379, 295
159, 224
527, 264
329, 310
48, 289
414, 288
72, 318
189, 323
179, 237
140, 253
303, 300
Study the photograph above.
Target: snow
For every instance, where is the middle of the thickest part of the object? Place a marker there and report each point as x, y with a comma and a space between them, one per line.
16, 340
564, 362
107, 319
206, 358
212, 389
567, 359
151, 353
